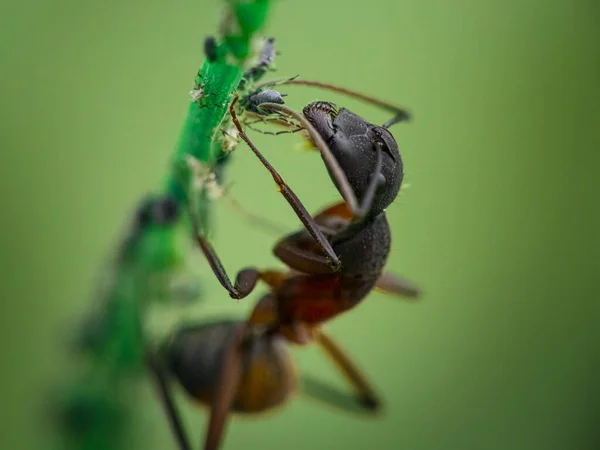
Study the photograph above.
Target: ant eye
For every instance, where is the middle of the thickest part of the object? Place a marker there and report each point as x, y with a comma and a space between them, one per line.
379, 141
378, 135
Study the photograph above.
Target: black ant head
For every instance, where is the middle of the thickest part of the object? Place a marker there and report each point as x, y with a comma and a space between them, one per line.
354, 143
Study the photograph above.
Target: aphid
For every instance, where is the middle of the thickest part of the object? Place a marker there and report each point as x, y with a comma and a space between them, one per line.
156, 211
153, 211
253, 101
265, 61
267, 56
210, 48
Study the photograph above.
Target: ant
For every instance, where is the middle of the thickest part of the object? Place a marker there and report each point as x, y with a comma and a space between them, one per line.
334, 264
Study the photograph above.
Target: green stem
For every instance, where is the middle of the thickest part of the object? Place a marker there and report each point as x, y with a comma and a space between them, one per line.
219, 82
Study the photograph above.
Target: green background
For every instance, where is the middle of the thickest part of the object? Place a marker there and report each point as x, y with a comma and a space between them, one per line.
497, 222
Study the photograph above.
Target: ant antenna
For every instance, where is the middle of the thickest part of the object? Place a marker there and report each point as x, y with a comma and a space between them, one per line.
401, 114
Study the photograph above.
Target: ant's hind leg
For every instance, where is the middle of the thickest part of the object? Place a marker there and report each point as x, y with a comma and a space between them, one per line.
157, 369
365, 392
226, 389
392, 284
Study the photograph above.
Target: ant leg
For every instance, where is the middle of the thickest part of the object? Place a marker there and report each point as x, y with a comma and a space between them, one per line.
400, 114
366, 395
158, 370
392, 284
229, 379
289, 195
245, 280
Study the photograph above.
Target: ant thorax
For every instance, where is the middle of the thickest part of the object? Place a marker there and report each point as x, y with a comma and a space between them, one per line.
363, 247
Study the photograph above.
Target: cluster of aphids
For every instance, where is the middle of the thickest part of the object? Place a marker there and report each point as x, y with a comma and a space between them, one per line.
332, 263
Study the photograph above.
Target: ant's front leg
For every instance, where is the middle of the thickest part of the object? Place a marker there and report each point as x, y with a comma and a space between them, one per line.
246, 279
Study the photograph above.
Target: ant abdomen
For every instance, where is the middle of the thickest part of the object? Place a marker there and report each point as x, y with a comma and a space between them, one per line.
268, 377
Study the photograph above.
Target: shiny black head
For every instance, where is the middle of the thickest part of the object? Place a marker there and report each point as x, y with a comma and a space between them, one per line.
354, 143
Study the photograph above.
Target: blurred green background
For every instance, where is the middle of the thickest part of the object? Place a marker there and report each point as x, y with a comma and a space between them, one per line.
497, 222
